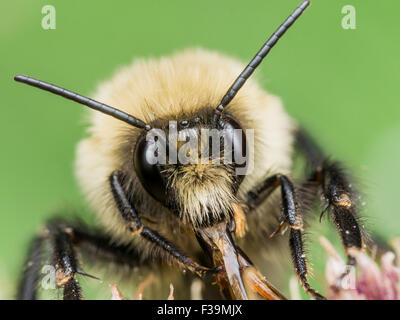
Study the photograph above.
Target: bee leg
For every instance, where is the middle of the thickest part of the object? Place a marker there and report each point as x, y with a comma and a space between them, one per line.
65, 261
64, 237
27, 289
262, 191
337, 193
133, 222
339, 196
309, 149
292, 217
99, 247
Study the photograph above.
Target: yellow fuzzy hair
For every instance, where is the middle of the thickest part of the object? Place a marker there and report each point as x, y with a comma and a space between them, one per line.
166, 88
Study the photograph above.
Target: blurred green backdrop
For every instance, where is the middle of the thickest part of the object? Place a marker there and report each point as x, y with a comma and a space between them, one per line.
341, 84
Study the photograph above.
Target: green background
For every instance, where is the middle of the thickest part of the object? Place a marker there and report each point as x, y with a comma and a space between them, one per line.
341, 84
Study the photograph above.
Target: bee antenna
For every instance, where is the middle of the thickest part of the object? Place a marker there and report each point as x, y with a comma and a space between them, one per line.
118, 114
258, 58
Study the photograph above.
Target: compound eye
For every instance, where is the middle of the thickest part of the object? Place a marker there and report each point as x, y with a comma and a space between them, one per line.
148, 170
236, 137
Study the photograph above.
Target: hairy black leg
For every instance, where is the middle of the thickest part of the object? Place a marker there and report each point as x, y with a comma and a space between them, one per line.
291, 217
310, 149
27, 288
65, 262
64, 237
262, 191
97, 247
134, 223
337, 193
340, 197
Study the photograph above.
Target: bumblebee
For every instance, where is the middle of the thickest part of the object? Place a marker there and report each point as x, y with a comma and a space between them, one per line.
157, 210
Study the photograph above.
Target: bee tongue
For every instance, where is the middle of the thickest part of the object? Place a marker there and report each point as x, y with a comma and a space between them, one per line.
223, 251
238, 278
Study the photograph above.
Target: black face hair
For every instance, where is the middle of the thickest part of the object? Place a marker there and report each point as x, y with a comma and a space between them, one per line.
118, 114
258, 58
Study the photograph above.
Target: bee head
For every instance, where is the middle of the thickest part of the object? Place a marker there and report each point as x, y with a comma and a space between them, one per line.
193, 168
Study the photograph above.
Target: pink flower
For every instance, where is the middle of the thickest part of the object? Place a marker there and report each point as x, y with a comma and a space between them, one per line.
117, 295
368, 281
